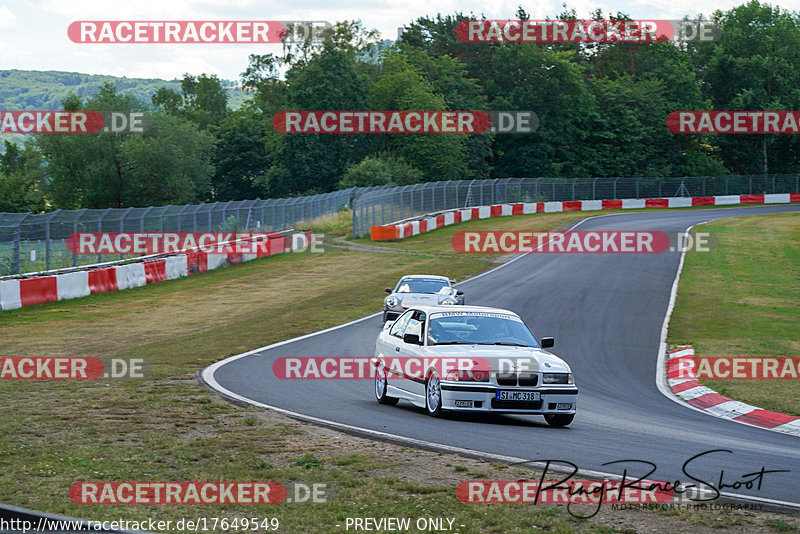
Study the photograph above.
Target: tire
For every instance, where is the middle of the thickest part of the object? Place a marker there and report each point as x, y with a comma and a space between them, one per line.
433, 394
380, 389
559, 419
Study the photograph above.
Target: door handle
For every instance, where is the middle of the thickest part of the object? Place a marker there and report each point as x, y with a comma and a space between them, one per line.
397, 349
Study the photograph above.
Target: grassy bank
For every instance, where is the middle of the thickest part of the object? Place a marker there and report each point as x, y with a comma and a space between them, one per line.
743, 299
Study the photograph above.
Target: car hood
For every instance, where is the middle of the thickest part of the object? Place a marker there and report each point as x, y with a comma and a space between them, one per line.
503, 357
420, 299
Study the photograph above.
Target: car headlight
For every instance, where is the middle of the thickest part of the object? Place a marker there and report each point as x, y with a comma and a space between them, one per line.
468, 375
449, 301
557, 378
391, 302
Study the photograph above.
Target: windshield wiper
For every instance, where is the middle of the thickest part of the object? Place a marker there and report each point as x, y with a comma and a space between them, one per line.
509, 344
454, 343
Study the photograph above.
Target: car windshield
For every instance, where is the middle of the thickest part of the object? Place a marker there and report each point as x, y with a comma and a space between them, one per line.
423, 285
463, 328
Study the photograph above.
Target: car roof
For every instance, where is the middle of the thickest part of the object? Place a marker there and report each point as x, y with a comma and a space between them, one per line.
431, 276
462, 308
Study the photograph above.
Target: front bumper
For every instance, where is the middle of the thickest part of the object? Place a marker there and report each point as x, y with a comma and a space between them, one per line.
476, 397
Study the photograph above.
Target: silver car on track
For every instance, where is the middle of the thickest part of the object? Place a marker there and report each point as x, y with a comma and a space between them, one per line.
472, 359
417, 290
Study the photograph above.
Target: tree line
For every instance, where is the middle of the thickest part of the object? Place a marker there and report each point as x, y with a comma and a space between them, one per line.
602, 112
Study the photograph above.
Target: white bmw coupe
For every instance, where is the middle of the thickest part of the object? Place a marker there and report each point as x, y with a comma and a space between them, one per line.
471, 359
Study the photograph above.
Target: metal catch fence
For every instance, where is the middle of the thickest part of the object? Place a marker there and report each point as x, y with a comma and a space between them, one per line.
386, 205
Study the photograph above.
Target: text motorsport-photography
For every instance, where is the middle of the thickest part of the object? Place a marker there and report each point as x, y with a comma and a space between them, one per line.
399, 268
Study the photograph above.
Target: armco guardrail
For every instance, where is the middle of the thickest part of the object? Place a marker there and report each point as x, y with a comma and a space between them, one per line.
384, 206
29, 291
407, 228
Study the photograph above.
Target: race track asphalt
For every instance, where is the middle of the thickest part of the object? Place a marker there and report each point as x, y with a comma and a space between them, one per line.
606, 313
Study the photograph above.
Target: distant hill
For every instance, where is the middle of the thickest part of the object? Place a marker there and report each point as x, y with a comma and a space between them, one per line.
44, 90
33, 89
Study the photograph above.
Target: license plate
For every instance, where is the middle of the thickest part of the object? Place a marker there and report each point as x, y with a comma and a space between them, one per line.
518, 395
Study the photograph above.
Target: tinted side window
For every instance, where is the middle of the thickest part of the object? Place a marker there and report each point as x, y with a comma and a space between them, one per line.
400, 324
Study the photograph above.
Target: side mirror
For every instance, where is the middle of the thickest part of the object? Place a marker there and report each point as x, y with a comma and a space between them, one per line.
452, 280
548, 342
459, 292
388, 289
412, 339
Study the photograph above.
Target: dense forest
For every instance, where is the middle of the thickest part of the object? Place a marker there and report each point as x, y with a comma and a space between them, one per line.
601, 108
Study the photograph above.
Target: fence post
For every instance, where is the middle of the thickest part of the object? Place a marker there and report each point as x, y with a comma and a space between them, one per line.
121, 227
142, 216
47, 241
75, 230
100, 229
17, 240
161, 219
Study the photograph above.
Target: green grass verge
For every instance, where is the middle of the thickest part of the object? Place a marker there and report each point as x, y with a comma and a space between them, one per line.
743, 299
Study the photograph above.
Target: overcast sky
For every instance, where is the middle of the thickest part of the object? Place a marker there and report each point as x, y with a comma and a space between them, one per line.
33, 33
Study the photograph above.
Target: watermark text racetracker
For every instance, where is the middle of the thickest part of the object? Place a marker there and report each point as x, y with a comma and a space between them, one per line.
737, 368
195, 31
585, 31
405, 122
71, 368
188, 493
95, 243
365, 367
73, 122
577, 242
734, 122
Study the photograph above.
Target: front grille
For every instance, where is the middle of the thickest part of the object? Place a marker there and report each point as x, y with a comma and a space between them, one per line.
516, 405
507, 379
512, 379
528, 379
